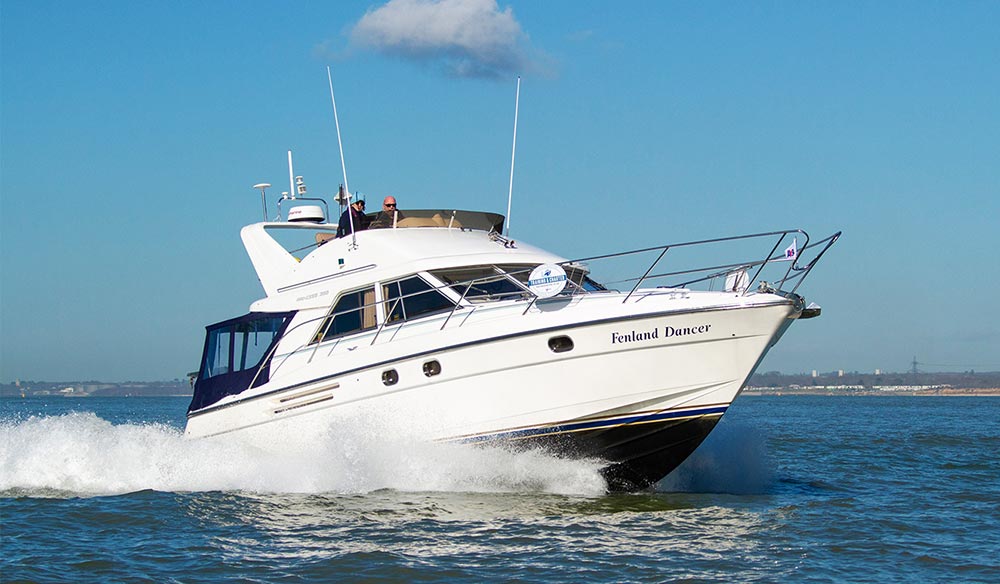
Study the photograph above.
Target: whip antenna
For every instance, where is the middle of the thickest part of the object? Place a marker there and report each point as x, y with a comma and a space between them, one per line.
343, 167
336, 121
513, 150
291, 176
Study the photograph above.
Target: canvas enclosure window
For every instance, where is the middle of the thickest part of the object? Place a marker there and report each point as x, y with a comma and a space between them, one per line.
239, 345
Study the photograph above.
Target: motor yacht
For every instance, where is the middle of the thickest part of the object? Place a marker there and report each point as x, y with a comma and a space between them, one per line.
629, 358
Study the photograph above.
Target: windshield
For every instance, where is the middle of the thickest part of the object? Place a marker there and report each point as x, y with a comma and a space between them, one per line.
487, 283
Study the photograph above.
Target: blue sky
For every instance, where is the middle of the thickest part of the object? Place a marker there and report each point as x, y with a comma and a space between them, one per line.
132, 132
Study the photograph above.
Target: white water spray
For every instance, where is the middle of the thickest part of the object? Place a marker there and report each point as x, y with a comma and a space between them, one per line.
82, 454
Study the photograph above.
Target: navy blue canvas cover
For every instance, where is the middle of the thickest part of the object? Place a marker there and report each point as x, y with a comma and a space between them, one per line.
235, 350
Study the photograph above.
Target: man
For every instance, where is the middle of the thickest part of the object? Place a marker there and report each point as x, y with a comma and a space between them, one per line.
388, 216
353, 216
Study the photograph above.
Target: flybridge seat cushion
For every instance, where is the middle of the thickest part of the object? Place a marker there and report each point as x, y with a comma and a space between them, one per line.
435, 221
416, 222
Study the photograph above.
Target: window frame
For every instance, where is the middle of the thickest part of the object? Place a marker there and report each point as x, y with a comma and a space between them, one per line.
461, 288
390, 302
323, 334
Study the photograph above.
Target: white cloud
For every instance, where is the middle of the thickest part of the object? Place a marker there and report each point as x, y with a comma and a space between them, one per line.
469, 38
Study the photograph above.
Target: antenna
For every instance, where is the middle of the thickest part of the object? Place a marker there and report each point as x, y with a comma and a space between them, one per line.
291, 177
336, 121
343, 167
263, 201
513, 150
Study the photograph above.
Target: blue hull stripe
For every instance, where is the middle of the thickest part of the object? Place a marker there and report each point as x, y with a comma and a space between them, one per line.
594, 424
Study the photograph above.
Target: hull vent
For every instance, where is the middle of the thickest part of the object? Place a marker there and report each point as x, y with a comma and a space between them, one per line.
305, 398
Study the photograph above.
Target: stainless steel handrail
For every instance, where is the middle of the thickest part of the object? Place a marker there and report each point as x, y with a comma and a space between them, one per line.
385, 320
794, 273
648, 270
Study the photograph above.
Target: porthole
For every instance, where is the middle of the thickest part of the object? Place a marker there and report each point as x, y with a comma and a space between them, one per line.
561, 344
390, 377
432, 368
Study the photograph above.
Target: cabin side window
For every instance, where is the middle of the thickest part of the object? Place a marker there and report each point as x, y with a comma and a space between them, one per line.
412, 297
482, 283
353, 312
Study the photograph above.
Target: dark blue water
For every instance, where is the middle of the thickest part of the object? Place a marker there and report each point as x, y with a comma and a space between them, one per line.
817, 489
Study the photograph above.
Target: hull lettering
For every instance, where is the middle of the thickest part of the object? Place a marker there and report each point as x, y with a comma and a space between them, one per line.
680, 331
633, 336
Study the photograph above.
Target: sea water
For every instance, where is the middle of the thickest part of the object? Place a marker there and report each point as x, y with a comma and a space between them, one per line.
789, 488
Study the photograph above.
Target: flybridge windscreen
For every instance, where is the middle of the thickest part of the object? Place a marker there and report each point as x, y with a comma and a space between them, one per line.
455, 219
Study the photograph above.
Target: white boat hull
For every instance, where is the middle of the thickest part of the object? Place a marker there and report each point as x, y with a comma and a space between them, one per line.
642, 386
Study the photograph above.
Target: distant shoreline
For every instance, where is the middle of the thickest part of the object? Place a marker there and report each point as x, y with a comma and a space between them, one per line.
751, 391
761, 384
948, 392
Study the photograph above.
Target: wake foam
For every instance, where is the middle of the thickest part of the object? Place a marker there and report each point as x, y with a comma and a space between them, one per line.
83, 454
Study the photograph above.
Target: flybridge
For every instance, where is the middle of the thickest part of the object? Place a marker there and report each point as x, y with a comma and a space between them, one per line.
290, 256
